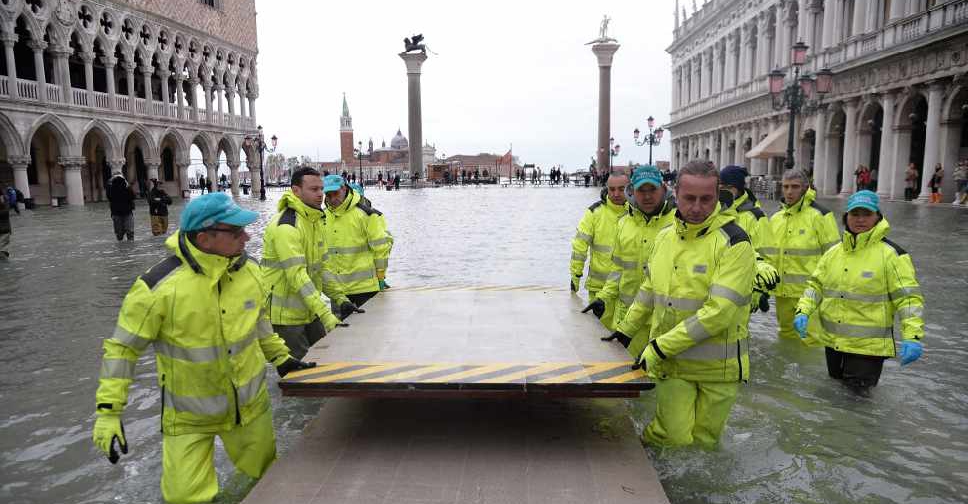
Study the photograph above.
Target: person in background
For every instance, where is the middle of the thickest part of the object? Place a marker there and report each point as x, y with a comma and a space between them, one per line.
5, 228
596, 234
122, 199
961, 183
12, 199
856, 290
158, 201
910, 182
936, 178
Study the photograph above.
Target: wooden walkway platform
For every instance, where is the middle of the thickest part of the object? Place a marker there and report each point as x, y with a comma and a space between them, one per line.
452, 394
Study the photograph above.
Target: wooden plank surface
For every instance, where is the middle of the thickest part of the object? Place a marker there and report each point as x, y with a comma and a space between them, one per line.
423, 451
469, 340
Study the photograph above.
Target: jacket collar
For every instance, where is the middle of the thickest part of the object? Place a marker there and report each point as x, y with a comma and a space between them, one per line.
804, 201
352, 199
668, 205
850, 241
290, 200
715, 221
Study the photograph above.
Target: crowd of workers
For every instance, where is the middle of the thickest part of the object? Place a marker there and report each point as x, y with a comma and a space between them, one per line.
677, 277
215, 317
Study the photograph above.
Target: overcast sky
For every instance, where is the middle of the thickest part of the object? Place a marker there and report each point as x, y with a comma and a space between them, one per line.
504, 73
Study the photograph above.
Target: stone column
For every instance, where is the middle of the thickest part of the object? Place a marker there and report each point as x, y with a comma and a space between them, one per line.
744, 54
696, 81
20, 180
183, 177
256, 176
146, 72
109, 62
219, 88
897, 12
829, 9
72, 179
414, 61
850, 147
38, 46
193, 86
762, 46
820, 147
207, 89
802, 27
717, 74
129, 67
211, 172
242, 95
152, 168
860, 13
88, 58
756, 166
230, 99
62, 76
738, 155
9, 41
932, 136
788, 22
887, 165
254, 94
730, 77
706, 81
163, 75
234, 176
724, 147
180, 95
837, 30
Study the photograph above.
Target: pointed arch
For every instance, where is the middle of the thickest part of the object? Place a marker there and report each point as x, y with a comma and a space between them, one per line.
65, 140
183, 146
113, 146
206, 144
229, 147
10, 137
138, 131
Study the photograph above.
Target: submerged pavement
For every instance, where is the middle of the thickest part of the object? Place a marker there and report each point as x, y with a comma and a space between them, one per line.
794, 435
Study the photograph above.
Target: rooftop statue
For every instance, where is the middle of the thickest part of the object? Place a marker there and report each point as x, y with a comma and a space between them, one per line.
413, 44
603, 32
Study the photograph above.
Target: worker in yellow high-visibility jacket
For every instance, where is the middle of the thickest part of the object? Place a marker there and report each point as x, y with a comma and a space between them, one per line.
855, 292
691, 314
802, 230
650, 210
358, 240
202, 309
596, 233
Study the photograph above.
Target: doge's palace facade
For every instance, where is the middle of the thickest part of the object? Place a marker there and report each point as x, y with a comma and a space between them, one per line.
900, 91
92, 87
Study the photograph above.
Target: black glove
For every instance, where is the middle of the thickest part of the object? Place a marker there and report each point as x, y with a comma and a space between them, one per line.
765, 302
620, 336
347, 308
597, 307
574, 283
292, 364
639, 363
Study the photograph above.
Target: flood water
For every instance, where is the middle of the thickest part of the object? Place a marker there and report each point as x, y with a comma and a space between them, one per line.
794, 436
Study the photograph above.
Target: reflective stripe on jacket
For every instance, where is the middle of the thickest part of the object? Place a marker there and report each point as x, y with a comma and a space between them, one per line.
205, 318
596, 231
751, 217
293, 257
633, 244
802, 232
359, 245
856, 290
693, 304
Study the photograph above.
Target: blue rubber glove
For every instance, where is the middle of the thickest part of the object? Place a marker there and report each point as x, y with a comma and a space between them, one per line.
910, 352
800, 324
384, 285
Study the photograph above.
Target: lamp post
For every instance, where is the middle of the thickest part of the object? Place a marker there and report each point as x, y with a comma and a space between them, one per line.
359, 155
259, 142
652, 139
613, 150
800, 93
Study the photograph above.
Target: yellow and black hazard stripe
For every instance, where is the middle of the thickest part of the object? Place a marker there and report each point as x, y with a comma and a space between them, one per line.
497, 375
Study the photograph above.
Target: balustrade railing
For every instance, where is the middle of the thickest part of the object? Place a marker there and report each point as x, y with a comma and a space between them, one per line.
123, 103
3, 86
53, 93
80, 97
102, 100
140, 107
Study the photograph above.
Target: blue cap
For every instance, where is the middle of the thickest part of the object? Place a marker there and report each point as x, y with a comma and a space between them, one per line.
209, 209
332, 183
735, 176
356, 187
864, 199
647, 174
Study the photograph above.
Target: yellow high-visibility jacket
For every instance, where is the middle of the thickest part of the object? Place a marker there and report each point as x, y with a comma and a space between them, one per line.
293, 257
633, 245
802, 232
359, 245
596, 230
856, 290
751, 217
205, 318
692, 308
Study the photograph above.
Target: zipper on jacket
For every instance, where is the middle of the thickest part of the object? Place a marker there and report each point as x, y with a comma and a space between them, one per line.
162, 421
272, 289
238, 415
739, 359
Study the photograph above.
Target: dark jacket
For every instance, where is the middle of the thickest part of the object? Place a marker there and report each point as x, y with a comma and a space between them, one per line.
158, 201
4, 215
121, 196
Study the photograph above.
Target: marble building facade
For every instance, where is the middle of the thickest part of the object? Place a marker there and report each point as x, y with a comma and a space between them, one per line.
900, 88
91, 87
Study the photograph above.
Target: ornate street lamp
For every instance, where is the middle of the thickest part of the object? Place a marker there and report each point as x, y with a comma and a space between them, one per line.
652, 139
806, 91
613, 150
259, 142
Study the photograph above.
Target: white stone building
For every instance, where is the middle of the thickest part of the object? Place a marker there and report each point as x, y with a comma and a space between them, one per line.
89, 87
900, 89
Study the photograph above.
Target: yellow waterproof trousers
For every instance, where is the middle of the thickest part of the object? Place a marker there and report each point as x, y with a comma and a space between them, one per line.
188, 460
690, 412
609, 311
786, 309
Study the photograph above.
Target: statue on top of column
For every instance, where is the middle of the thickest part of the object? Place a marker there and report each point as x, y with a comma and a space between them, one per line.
603, 32
412, 44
